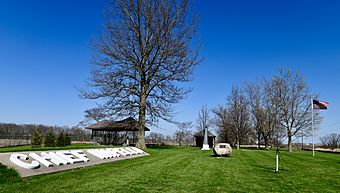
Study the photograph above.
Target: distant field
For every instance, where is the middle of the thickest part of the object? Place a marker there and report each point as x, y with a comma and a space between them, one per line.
185, 169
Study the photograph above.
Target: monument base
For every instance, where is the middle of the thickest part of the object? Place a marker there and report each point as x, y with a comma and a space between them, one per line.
205, 147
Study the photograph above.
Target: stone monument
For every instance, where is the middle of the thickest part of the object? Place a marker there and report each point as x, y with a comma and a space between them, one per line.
222, 149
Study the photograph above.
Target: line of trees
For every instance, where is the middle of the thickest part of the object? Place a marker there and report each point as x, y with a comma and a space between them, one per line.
331, 141
50, 140
182, 137
271, 110
25, 131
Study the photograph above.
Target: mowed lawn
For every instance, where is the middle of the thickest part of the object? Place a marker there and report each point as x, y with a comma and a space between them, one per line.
188, 169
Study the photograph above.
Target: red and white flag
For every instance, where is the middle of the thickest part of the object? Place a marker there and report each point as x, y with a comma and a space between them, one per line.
321, 105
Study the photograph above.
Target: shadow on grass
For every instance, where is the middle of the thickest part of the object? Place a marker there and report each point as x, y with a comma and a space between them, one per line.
8, 175
251, 148
151, 146
224, 156
269, 169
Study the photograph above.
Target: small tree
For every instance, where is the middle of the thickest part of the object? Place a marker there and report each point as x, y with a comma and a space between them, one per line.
67, 139
183, 132
61, 139
50, 139
36, 140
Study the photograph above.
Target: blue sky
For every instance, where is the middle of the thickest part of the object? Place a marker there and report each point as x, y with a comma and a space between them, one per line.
45, 55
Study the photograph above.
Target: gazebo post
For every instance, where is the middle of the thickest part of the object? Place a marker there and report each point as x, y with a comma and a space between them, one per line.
110, 137
104, 137
115, 143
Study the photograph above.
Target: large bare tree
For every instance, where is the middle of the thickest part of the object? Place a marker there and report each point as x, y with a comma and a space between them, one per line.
145, 51
238, 114
273, 130
203, 120
223, 124
256, 97
293, 101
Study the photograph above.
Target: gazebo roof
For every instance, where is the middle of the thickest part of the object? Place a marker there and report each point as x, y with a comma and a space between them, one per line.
128, 124
201, 134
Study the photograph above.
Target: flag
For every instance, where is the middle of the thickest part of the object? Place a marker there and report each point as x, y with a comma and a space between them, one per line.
320, 105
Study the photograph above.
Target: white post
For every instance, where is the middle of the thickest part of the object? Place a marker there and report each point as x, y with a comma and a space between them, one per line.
312, 124
277, 163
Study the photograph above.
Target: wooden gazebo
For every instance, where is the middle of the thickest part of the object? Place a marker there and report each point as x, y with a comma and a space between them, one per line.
115, 132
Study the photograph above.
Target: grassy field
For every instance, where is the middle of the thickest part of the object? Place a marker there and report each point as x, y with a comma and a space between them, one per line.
185, 169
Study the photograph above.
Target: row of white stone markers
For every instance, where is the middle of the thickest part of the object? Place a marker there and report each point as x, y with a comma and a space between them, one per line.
35, 163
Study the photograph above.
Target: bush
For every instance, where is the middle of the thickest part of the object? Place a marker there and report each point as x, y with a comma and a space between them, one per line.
36, 140
61, 140
50, 139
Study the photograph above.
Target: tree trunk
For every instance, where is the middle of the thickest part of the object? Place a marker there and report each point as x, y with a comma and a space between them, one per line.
290, 141
259, 140
302, 142
141, 133
238, 142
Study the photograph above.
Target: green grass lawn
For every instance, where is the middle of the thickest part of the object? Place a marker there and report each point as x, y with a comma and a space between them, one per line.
185, 169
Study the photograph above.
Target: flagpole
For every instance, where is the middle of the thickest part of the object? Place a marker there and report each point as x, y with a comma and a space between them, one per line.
312, 124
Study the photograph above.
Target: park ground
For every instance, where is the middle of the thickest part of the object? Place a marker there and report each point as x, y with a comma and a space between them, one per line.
188, 169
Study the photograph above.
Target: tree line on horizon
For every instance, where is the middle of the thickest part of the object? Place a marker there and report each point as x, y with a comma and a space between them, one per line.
331, 141
25, 131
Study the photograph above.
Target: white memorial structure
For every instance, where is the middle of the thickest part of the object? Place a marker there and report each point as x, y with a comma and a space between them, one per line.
36, 163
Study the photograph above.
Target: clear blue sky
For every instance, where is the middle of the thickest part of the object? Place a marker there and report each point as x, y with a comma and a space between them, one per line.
44, 54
